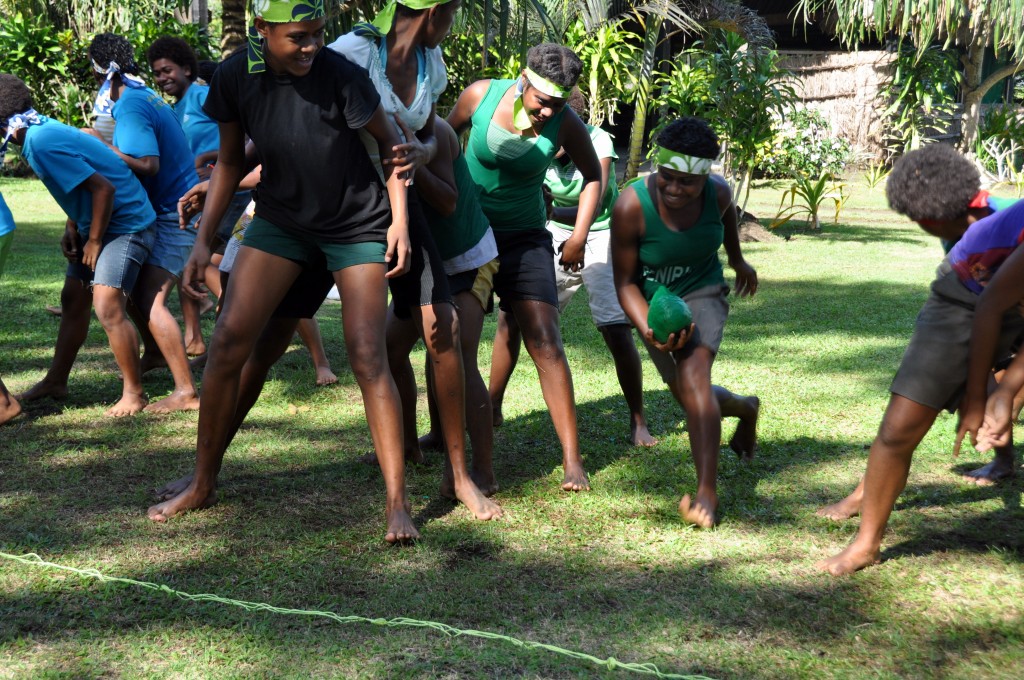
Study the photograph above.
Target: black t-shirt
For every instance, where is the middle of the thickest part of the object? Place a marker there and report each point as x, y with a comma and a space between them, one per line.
317, 177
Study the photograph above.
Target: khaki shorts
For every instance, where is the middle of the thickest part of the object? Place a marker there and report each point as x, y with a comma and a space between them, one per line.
710, 309
596, 275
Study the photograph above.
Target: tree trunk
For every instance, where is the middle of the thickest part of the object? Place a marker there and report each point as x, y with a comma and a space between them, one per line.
235, 26
643, 92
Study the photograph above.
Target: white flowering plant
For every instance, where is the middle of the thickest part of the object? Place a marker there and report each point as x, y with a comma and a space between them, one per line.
804, 146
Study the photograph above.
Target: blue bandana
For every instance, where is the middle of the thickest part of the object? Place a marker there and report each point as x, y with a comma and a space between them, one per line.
20, 121
113, 69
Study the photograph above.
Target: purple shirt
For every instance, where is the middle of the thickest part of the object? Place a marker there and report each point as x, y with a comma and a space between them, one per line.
986, 244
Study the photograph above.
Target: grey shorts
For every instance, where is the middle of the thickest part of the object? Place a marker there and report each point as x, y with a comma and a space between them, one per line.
710, 308
933, 371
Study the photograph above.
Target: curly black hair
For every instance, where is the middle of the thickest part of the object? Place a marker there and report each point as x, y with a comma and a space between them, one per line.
14, 97
108, 47
935, 182
176, 51
555, 62
691, 136
577, 101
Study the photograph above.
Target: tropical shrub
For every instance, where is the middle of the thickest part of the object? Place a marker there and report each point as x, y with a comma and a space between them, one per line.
1000, 147
611, 62
807, 197
740, 92
922, 96
804, 146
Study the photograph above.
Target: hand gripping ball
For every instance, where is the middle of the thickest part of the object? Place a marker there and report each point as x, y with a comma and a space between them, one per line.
667, 314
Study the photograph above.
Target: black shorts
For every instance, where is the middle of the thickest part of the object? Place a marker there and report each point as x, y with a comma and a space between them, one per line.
463, 281
527, 267
425, 283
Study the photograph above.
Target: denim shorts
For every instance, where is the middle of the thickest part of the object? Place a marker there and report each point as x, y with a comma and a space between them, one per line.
172, 245
120, 260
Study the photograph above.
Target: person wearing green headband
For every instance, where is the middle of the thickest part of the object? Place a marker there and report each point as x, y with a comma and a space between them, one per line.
517, 126
667, 229
320, 198
400, 52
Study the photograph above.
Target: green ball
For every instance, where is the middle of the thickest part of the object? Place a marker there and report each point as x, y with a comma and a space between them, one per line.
667, 314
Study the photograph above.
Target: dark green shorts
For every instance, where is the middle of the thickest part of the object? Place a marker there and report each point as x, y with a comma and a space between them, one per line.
303, 248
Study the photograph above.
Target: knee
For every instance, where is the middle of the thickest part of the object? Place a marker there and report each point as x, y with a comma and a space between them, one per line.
368, 360
110, 307
546, 342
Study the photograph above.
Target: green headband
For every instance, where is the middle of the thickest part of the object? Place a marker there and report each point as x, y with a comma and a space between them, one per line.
277, 12
385, 19
673, 160
520, 118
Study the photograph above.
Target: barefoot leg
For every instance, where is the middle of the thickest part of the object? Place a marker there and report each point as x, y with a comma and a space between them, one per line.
1002, 466
151, 292
190, 313
309, 331
478, 401
76, 303
619, 339
110, 310
243, 318
704, 422
903, 427
504, 357
439, 326
9, 406
746, 409
363, 291
846, 508
543, 339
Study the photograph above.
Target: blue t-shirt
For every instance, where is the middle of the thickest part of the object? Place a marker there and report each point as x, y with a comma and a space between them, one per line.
147, 126
986, 244
201, 130
63, 157
6, 218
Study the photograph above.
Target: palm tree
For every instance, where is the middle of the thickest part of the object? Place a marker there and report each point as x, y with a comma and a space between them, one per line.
972, 24
234, 26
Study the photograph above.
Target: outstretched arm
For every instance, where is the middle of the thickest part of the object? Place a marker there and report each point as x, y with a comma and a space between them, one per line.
746, 276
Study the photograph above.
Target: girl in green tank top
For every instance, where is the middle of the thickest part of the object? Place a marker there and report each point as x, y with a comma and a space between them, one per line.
517, 127
666, 232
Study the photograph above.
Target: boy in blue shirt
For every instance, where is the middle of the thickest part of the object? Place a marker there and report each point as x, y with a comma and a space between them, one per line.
149, 138
106, 239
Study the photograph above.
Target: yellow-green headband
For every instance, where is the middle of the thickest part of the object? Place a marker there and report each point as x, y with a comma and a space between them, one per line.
546, 86
673, 160
385, 19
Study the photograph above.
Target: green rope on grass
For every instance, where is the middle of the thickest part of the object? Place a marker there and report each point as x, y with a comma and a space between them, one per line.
611, 663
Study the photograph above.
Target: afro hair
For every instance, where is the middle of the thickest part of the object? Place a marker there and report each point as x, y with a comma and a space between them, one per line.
932, 183
691, 136
108, 47
14, 97
555, 62
176, 51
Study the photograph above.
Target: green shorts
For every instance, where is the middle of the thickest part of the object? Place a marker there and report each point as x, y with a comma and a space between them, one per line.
303, 248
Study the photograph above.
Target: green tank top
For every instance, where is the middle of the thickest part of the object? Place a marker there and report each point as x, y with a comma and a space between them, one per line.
510, 168
682, 261
455, 234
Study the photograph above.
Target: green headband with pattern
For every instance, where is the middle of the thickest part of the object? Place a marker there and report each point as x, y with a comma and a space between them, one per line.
673, 160
277, 12
385, 19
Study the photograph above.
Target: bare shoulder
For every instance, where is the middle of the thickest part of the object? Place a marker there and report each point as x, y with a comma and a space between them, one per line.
627, 215
722, 190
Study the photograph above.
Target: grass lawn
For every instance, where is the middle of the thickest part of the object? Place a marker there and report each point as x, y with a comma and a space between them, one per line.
612, 572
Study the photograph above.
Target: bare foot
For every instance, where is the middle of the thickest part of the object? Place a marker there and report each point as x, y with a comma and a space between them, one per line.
151, 361
744, 440
189, 499
196, 347
996, 471
45, 388
575, 478
850, 560
701, 512
470, 495
10, 410
400, 526
639, 435
175, 402
172, 489
325, 376
844, 509
129, 405
485, 481
55, 310
432, 442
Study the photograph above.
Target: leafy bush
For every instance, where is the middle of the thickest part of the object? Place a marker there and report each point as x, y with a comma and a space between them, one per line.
922, 94
462, 57
804, 146
1000, 146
